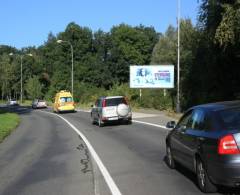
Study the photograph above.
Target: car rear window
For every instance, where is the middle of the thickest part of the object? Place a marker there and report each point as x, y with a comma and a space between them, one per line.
230, 118
115, 101
66, 99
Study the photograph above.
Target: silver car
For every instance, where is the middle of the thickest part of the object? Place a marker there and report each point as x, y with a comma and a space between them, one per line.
39, 104
12, 102
109, 109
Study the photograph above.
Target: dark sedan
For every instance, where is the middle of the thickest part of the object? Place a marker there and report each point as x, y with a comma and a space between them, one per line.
206, 140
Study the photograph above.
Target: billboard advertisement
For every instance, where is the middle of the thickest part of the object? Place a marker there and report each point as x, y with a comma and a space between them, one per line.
154, 76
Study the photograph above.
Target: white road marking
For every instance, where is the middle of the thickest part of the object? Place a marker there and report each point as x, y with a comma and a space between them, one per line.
109, 180
151, 124
80, 110
136, 121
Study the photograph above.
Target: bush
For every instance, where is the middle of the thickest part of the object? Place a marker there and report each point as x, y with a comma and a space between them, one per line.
86, 94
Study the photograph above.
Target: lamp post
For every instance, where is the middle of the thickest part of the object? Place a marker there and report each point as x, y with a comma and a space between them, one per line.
178, 108
21, 58
61, 41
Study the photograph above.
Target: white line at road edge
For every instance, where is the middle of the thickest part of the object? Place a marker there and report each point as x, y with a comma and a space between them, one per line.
136, 121
109, 180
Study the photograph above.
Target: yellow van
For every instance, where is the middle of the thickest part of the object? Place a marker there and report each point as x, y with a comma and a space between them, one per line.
63, 102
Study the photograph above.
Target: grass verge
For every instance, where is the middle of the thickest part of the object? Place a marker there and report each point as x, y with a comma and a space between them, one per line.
8, 122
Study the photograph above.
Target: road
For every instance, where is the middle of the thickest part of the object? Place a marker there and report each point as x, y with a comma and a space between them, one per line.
46, 156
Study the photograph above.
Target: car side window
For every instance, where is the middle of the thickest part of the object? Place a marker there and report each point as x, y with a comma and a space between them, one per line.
208, 124
197, 120
184, 121
99, 103
201, 120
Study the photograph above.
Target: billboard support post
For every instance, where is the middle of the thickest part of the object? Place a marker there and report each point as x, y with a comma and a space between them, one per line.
140, 94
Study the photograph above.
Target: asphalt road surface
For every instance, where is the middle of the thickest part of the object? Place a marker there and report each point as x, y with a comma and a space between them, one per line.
46, 156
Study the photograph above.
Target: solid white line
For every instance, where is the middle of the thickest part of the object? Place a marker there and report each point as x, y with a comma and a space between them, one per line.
136, 121
109, 180
88, 111
151, 124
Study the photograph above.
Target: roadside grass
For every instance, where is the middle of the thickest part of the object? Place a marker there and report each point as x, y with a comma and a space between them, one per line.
3, 101
26, 103
84, 106
8, 122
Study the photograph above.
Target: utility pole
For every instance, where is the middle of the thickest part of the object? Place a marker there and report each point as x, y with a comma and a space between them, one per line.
178, 107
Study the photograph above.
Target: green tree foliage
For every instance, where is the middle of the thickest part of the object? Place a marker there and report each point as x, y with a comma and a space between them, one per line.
165, 53
34, 87
7, 75
130, 46
215, 69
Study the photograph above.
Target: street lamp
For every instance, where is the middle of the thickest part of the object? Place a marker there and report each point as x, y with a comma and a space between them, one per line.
178, 108
61, 41
21, 57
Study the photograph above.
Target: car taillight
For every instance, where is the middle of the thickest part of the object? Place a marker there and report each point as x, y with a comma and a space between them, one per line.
104, 103
228, 145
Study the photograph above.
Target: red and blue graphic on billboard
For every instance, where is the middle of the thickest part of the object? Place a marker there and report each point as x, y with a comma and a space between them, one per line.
158, 76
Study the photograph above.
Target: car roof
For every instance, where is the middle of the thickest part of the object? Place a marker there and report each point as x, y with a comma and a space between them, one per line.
217, 106
111, 97
63, 93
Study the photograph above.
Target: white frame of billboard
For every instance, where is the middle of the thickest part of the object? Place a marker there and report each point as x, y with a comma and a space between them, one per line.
152, 87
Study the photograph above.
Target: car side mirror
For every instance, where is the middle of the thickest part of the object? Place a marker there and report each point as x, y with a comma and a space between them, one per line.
171, 124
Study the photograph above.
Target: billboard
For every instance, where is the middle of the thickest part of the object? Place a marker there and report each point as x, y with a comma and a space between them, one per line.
154, 76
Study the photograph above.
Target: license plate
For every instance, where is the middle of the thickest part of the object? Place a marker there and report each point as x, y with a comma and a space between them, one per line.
113, 119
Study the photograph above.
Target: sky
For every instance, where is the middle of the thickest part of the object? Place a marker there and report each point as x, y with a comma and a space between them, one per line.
28, 22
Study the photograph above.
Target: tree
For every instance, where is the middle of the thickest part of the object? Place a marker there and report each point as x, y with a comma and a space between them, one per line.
165, 52
6, 76
34, 87
129, 46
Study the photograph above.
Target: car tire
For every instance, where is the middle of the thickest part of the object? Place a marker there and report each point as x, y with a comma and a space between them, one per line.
169, 158
203, 180
100, 123
129, 122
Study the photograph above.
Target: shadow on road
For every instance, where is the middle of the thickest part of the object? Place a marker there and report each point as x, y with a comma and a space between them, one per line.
17, 109
191, 176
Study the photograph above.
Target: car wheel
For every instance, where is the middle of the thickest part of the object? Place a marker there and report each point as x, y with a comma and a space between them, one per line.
129, 122
203, 180
100, 123
169, 158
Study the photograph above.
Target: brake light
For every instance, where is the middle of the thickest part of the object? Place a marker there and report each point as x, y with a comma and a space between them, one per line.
104, 103
228, 145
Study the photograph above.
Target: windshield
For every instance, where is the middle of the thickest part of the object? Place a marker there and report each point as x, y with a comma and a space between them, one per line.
230, 118
66, 99
115, 101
